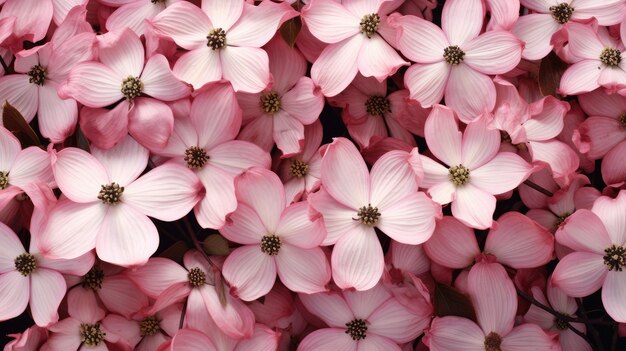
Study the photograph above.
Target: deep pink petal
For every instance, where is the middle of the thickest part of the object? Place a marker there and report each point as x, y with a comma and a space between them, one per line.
219, 199
494, 297
133, 15
495, 52
584, 231
337, 65
150, 122
93, 84
159, 81
114, 295
345, 175
614, 171
503, 173
378, 59
260, 132
296, 228
613, 291
463, 79
258, 24
185, 23
529, 337
480, 144
263, 339
124, 162
46, 292
262, 190
357, 259
443, 135
246, 68
303, 270
330, 22
288, 67
535, 30
199, 66
411, 219
452, 245
455, 334
581, 77
78, 174
328, 339
103, 127
462, 20
122, 52
191, 340
250, 272
15, 293
563, 161
427, 82
64, 336
580, 274
420, 40
32, 18
549, 122
473, 206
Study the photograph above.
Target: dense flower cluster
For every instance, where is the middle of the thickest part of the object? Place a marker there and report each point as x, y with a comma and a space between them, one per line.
341, 175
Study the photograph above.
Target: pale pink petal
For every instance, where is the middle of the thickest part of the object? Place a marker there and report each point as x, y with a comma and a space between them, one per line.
462, 20
549, 122
288, 67
127, 330
436, 174
581, 77
330, 22
563, 161
411, 219
364, 303
191, 340
452, 245
613, 214
495, 52
376, 342
14, 294
337, 65
297, 229
427, 82
259, 132
31, 166
613, 291
215, 123
606, 12
288, 133
24, 96
246, 68
392, 320
103, 127
345, 175
250, 272
234, 319
518, 242
219, 200
93, 84
127, 237
535, 30
303, 102
159, 81
528, 337
150, 122
494, 297
576, 230
263, 191
157, 275
602, 134
33, 18
420, 40
443, 136
64, 336
357, 259
223, 14
328, 339
258, 24
244, 226
9, 149
571, 341
394, 176
337, 217
10, 248
263, 339
199, 66
468, 107
329, 307
132, 15
503, 173
174, 294
124, 162
480, 144
46, 292
583, 41
455, 334
474, 206
580, 274
235, 156
114, 295
613, 170
122, 52
185, 23
362, 133
78, 174
378, 59
57, 118
303, 270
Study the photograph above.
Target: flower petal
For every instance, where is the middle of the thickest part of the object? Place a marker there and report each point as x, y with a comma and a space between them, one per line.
244, 226
535, 30
190, 340
613, 291
480, 144
529, 336
235, 318
199, 67
612, 212
420, 40
185, 23
31, 166
411, 219
494, 297
329, 307
329, 21
463, 79
258, 24
357, 259
9, 149
378, 59
262, 190
494, 52
581, 77
93, 84
10, 248
250, 272
303, 102
57, 118
580, 274
122, 52
46, 292
452, 245
288, 133
455, 334
14, 293
303, 270
159, 81
462, 20
297, 229
115, 296
219, 199
393, 320
328, 339
345, 175
584, 231
443, 136
427, 82
124, 162
246, 68
17, 91
337, 65
133, 16
474, 207
338, 219
503, 173
215, 123
223, 14
78, 174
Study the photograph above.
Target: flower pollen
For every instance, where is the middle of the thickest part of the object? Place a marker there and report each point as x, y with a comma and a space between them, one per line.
356, 329
270, 102
615, 257
93, 279
377, 105
369, 24
493, 342
562, 12
459, 175
561, 323
270, 244
149, 326
561, 219
4, 180
91, 334
299, 168
368, 215
453, 54
110, 194
131, 87
216, 39
37, 75
195, 157
196, 277
611, 57
25, 264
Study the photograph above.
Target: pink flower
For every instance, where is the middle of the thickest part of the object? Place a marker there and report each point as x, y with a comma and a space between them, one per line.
202, 141
134, 13
354, 31
360, 320
30, 340
536, 29
290, 101
29, 278
224, 39
605, 127
495, 302
276, 240
122, 76
457, 59
354, 201
106, 206
263, 339
598, 238
599, 62
475, 171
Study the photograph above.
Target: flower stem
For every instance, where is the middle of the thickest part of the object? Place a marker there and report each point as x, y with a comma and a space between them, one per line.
538, 187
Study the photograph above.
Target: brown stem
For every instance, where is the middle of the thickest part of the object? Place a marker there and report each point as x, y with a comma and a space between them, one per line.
538, 187
182, 315
4, 65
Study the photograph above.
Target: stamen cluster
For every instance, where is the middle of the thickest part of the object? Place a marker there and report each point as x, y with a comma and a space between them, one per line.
369, 24
368, 215
93, 279
91, 334
37, 75
562, 12
196, 277
453, 54
615, 257
270, 102
611, 57
196, 157
149, 326
299, 168
493, 342
110, 194
377, 105
270, 244
25, 264
4, 180
131, 87
216, 39
357, 329
459, 175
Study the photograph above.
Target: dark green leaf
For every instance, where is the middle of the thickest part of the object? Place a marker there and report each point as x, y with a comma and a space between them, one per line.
216, 245
13, 120
176, 251
451, 302
290, 29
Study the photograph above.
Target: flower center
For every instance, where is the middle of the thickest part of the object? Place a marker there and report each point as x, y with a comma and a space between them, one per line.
4, 180
560, 323
299, 168
561, 219
369, 24
611, 57
93, 279
615, 257
493, 342
37, 75
561, 12
377, 105
453, 54
111, 194
132, 87
270, 244
216, 38
149, 326
270, 102
195, 157
459, 175
368, 215
91, 334
621, 119
25, 264
356, 329
196, 277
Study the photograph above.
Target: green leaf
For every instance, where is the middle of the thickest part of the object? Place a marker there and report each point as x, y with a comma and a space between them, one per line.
551, 70
451, 302
216, 245
13, 120
176, 251
290, 29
